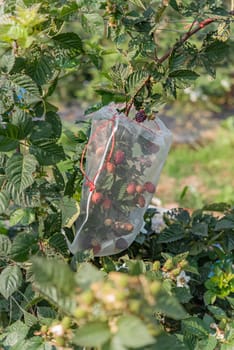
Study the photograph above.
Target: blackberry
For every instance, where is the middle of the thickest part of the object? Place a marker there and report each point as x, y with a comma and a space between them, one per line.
121, 243
140, 116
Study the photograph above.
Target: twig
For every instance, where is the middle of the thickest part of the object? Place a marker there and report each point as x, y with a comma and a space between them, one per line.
183, 39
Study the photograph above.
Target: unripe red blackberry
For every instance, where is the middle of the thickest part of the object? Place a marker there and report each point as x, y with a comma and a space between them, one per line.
97, 197
107, 203
131, 188
141, 201
110, 167
139, 189
119, 157
140, 116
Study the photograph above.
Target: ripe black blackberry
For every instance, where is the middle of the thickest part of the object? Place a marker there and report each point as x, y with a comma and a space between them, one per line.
140, 116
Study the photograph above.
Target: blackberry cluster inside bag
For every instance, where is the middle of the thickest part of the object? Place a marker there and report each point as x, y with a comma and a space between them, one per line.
124, 159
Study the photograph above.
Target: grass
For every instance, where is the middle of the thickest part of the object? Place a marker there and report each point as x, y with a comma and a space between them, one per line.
194, 177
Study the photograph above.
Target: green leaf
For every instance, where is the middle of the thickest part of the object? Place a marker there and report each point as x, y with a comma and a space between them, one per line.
217, 207
7, 61
22, 216
135, 81
183, 294
208, 344
47, 153
138, 3
54, 273
224, 224
218, 313
170, 306
209, 297
55, 121
41, 70
15, 333
4, 201
23, 121
93, 334
5, 245
195, 326
31, 92
171, 234
9, 138
70, 211
69, 41
23, 246
133, 333
55, 281
10, 280
88, 274
200, 229
184, 74
20, 169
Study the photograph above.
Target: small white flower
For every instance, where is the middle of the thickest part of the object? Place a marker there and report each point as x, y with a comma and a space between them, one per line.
182, 280
225, 84
57, 330
166, 275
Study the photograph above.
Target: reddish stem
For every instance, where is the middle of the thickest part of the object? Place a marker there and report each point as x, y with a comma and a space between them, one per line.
183, 39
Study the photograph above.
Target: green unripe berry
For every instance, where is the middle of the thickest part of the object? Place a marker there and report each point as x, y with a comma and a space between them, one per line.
134, 306
66, 322
87, 297
60, 341
155, 287
44, 329
79, 313
156, 265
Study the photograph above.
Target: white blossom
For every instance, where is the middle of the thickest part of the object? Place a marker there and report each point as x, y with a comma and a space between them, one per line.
182, 280
57, 330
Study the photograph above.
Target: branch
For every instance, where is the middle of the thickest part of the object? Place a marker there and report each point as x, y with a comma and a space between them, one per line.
183, 39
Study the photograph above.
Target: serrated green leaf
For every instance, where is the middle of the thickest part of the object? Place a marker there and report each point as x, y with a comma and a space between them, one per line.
10, 280
138, 3
54, 273
7, 61
23, 121
9, 137
224, 224
200, 229
15, 333
184, 74
133, 333
195, 326
5, 245
20, 169
93, 334
58, 242
22, 216
55, 121
218, 313
135, 81
41, 70
209, 343
23, 246
70, 211
69, 41
30, 90
87, 274
171, 234
170, 306
47, 153
4, 201
183, 294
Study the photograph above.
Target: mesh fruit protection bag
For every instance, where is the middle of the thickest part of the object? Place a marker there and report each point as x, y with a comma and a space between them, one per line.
124, 159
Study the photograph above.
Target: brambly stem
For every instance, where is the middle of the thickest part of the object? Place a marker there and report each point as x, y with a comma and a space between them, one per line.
201, 25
